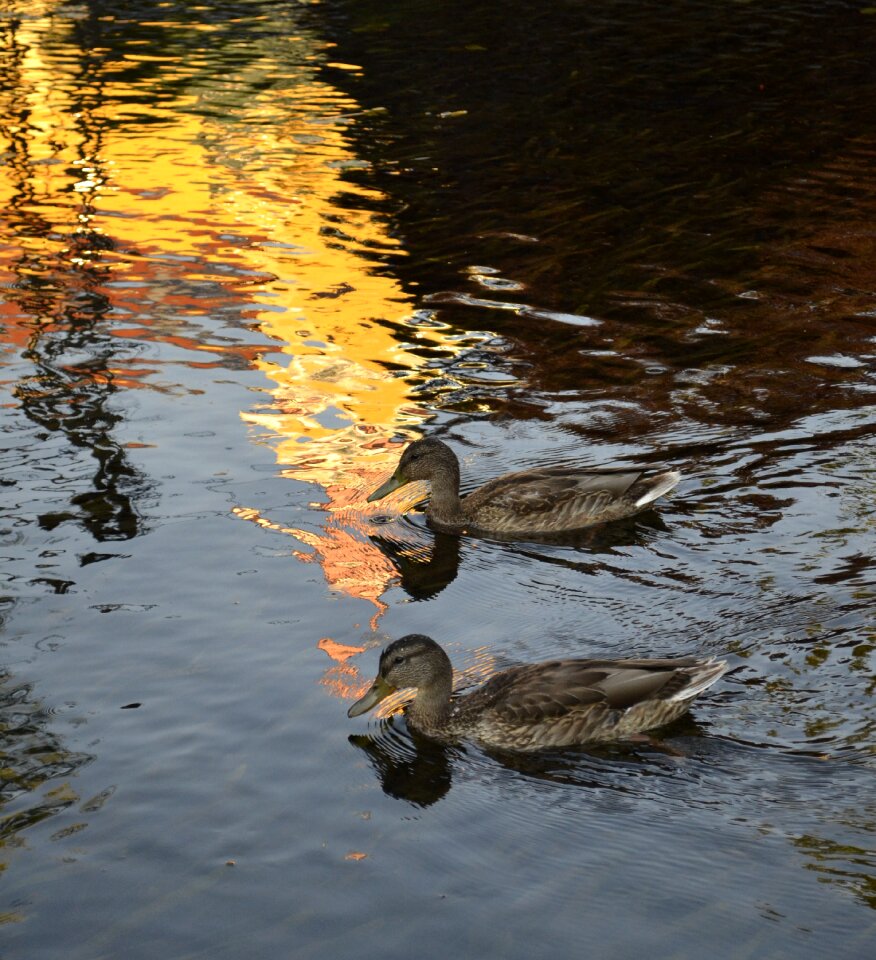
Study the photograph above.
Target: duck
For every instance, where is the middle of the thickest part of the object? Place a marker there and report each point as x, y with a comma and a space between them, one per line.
543, 500
555, 703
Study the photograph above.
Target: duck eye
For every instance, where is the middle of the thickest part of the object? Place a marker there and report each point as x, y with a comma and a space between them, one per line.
399, 660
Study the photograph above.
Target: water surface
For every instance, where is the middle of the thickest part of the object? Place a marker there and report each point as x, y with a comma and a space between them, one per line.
246, 250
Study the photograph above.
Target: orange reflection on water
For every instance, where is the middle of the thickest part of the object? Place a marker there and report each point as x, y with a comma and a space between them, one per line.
343, 680
331, 407
96, 204
338, 651
350, 564
186, 196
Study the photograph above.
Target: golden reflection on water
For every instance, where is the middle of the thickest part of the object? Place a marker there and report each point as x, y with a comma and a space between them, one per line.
333, 406
195, 192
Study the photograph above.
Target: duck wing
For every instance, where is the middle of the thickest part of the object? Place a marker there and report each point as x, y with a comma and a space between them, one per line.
537, 692
552, 690
553, 499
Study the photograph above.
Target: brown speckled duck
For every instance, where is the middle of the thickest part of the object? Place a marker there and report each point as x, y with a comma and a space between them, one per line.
539, 501
557, 703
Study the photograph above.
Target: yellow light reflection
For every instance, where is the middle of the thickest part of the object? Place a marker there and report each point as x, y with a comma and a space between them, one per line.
233, 195
333, 406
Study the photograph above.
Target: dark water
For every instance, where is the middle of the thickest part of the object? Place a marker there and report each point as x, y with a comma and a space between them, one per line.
244, 248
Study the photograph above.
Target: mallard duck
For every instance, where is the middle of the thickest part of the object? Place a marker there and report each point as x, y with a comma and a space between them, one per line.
556, 703
543, 500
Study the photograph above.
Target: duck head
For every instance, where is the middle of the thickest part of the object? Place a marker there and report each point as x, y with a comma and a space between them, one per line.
413, 661
421, 460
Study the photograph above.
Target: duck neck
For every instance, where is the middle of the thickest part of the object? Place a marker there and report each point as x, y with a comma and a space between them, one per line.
430, 708
444, 503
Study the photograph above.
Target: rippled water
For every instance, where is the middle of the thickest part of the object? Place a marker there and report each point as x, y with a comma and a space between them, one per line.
246, 249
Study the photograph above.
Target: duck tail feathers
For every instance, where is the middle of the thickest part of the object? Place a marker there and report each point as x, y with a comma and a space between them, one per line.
702, 676
660, 484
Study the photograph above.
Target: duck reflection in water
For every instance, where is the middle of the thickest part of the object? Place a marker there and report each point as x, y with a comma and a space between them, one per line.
556, 703
419, 769
424, 570
413, 768
428, 561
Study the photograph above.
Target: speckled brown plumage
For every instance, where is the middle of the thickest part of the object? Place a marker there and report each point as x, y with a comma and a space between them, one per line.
551, 704
543, 500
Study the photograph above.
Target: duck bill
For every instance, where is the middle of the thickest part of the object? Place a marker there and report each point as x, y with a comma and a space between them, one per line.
379, 690
394, 482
